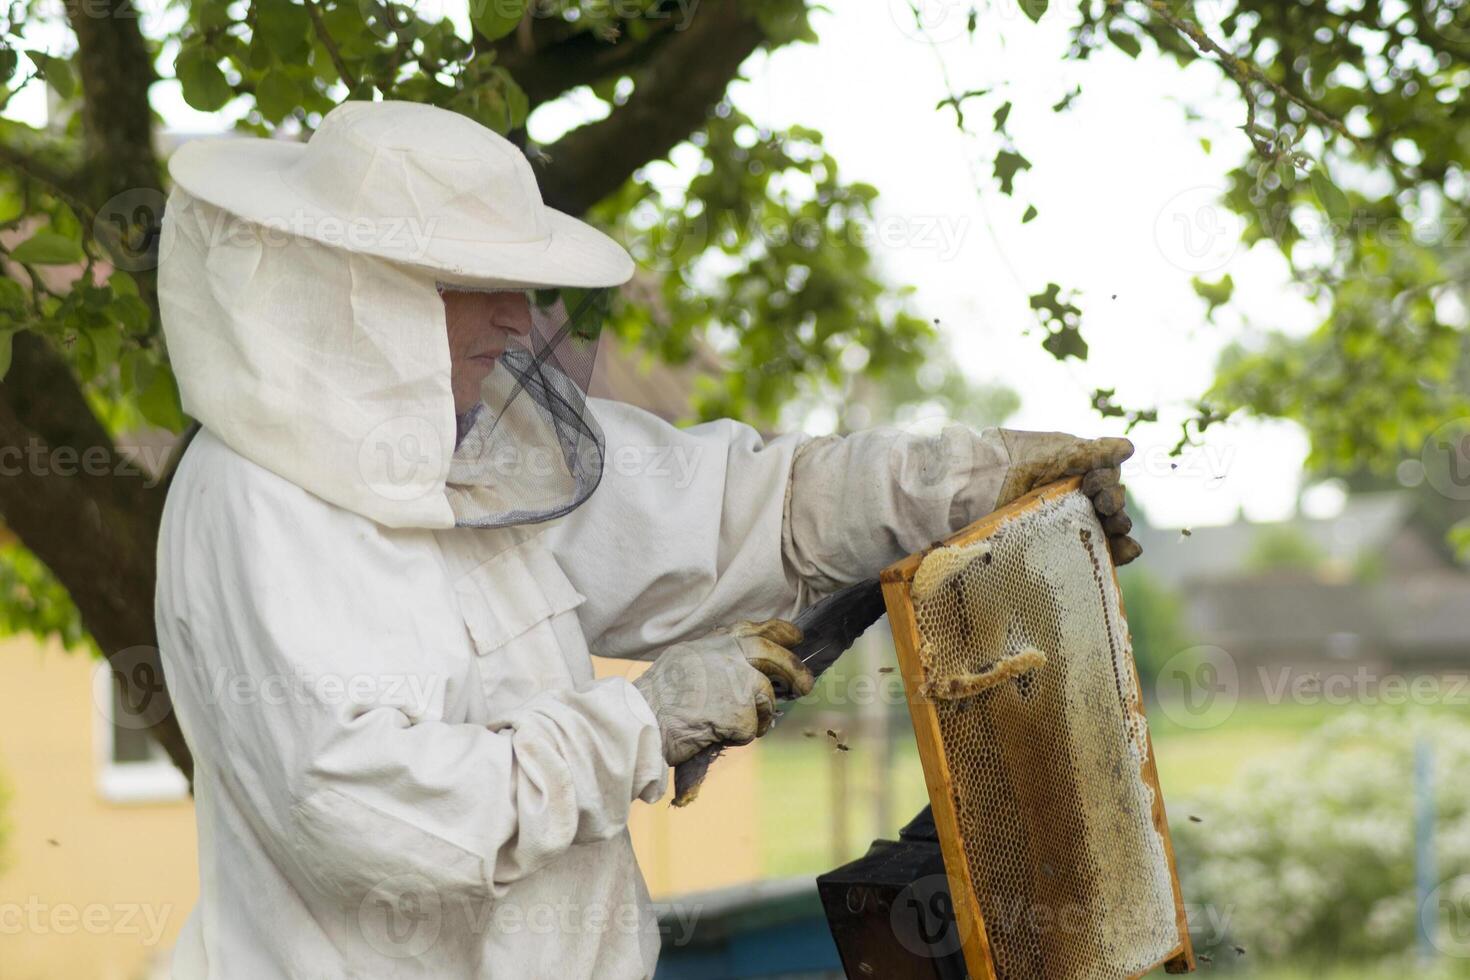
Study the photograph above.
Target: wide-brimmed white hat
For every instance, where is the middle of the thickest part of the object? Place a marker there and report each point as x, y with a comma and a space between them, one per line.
410, 183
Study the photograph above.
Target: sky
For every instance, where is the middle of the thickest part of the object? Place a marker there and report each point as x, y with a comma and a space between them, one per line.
1126, 195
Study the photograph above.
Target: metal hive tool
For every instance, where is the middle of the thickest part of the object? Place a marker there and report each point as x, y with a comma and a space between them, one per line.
1025, 701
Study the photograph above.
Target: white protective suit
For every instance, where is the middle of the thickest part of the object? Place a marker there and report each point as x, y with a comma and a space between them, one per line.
404, 766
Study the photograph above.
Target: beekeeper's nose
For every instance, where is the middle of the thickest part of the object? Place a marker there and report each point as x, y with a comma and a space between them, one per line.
511, 312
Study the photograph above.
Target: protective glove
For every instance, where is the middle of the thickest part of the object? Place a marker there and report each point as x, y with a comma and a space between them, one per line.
1039, 458
857, 503
718, 690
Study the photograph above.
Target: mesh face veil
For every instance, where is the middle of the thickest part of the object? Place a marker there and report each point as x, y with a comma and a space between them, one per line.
530, 450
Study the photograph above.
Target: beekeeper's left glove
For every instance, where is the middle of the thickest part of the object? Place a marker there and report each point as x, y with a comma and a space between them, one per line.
856, 503
718, 690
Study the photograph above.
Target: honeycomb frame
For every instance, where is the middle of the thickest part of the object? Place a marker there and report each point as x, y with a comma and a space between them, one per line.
962, 823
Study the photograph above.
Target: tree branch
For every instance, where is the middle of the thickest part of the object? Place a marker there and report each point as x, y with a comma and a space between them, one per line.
77, 504
63, 185
319, 26
1243, 72
116, 72
557, 61
672, 96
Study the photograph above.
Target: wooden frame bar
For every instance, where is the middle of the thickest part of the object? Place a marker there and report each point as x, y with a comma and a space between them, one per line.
897, 581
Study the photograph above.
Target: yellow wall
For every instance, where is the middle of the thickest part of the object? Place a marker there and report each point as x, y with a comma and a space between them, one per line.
712, 842
83, 907
79, 907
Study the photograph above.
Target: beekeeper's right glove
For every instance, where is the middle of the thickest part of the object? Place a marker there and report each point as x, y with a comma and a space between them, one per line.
718, 690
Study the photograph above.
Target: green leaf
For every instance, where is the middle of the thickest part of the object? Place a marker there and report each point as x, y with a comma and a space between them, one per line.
7, 339
159, 402
1001, 115
106, 342
1030, 213
1034, 8
205, 86
1007, 164
1333, 200
496, 18
137, 370
283, 27
9, 61
47, 248
276, 95
132, 313
1066, 342
56, 72
122, 284
1125, 42
12, 296
1215, 294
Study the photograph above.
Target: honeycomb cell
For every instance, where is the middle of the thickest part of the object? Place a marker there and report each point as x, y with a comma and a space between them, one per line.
1055, 814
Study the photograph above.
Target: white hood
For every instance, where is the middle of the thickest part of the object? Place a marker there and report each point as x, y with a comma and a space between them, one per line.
327, 367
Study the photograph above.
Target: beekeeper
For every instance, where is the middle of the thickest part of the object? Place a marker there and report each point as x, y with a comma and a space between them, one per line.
403, 528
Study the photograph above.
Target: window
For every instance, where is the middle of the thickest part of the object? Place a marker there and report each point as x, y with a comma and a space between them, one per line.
131, 766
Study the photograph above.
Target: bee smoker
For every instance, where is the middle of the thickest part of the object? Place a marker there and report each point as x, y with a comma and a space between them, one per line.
890, 911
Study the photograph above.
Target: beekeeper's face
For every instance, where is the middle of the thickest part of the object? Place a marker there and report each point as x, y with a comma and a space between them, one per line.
480, 325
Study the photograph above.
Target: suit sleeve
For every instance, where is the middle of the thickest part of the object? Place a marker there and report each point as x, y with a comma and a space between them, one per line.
683, 534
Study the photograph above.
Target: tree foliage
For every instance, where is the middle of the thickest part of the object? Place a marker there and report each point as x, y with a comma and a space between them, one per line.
751, 242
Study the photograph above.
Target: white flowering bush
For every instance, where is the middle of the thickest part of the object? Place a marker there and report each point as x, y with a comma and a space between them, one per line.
1309, 857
